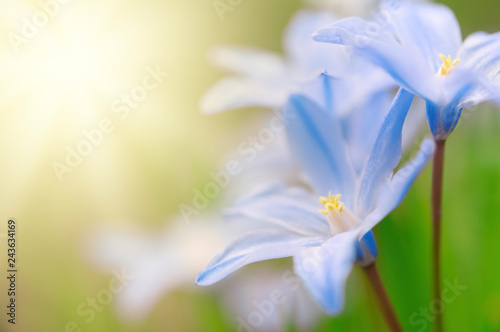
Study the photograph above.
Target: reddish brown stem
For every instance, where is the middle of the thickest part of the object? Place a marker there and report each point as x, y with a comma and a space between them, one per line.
383, 299
436, 199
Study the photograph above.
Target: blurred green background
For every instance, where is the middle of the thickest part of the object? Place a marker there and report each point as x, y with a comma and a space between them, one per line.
147, 167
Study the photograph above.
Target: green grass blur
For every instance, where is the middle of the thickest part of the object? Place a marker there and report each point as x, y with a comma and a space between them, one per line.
167, 148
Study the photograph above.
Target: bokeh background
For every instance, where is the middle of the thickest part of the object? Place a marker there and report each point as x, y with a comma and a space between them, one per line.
64, 80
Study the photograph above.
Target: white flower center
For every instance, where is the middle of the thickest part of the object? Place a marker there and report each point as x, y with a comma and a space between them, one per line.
340, 218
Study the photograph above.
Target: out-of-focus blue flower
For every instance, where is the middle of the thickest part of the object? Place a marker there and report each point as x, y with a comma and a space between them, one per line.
266, 79
420, 45
355, 86
325, 244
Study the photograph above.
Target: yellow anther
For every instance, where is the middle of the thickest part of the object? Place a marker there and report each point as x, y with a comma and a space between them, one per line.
331, 202
448, 65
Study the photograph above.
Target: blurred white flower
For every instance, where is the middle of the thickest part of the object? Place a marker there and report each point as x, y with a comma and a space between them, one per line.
159, 261
170, 259
266, 79
267, 299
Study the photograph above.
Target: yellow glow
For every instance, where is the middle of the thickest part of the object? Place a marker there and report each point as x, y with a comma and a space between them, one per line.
63, 69
447, 66
331, 202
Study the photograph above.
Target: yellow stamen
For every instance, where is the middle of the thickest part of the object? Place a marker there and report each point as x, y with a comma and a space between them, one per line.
447, 65
331, 202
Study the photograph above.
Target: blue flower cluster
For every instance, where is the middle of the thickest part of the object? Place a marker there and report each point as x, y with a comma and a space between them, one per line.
348, 86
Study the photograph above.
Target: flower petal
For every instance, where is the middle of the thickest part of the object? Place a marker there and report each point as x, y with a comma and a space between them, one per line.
385, 153
432, 28
272, 165
324, 270
405, 40
362, 125
480, 53
249, 62
316, 139
239, 92
274, 205
396, 187
357, 89
320, 90
252, 247
415, 123
305, 55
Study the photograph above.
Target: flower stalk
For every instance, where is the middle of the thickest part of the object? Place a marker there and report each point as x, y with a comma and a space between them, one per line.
436, 198
383, 299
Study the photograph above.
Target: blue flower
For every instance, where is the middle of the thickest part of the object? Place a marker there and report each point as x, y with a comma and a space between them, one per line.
267, 79
328, 237
420, 45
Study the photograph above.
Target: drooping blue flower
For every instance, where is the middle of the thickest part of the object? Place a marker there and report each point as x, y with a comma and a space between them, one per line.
420, 45
325, 244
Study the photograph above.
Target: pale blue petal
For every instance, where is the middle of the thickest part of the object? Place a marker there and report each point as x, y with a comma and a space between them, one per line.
305, 55
415, 123
362, 125
406, 41
461, 83
274, 163
316, 139
276, 206
385, 153
321, 89
356, 90
252, 247
250, 62
395, 188
432, 28
384, 50
264, 80
240, 92
359, 110
324, 270
344, 94
480, 53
